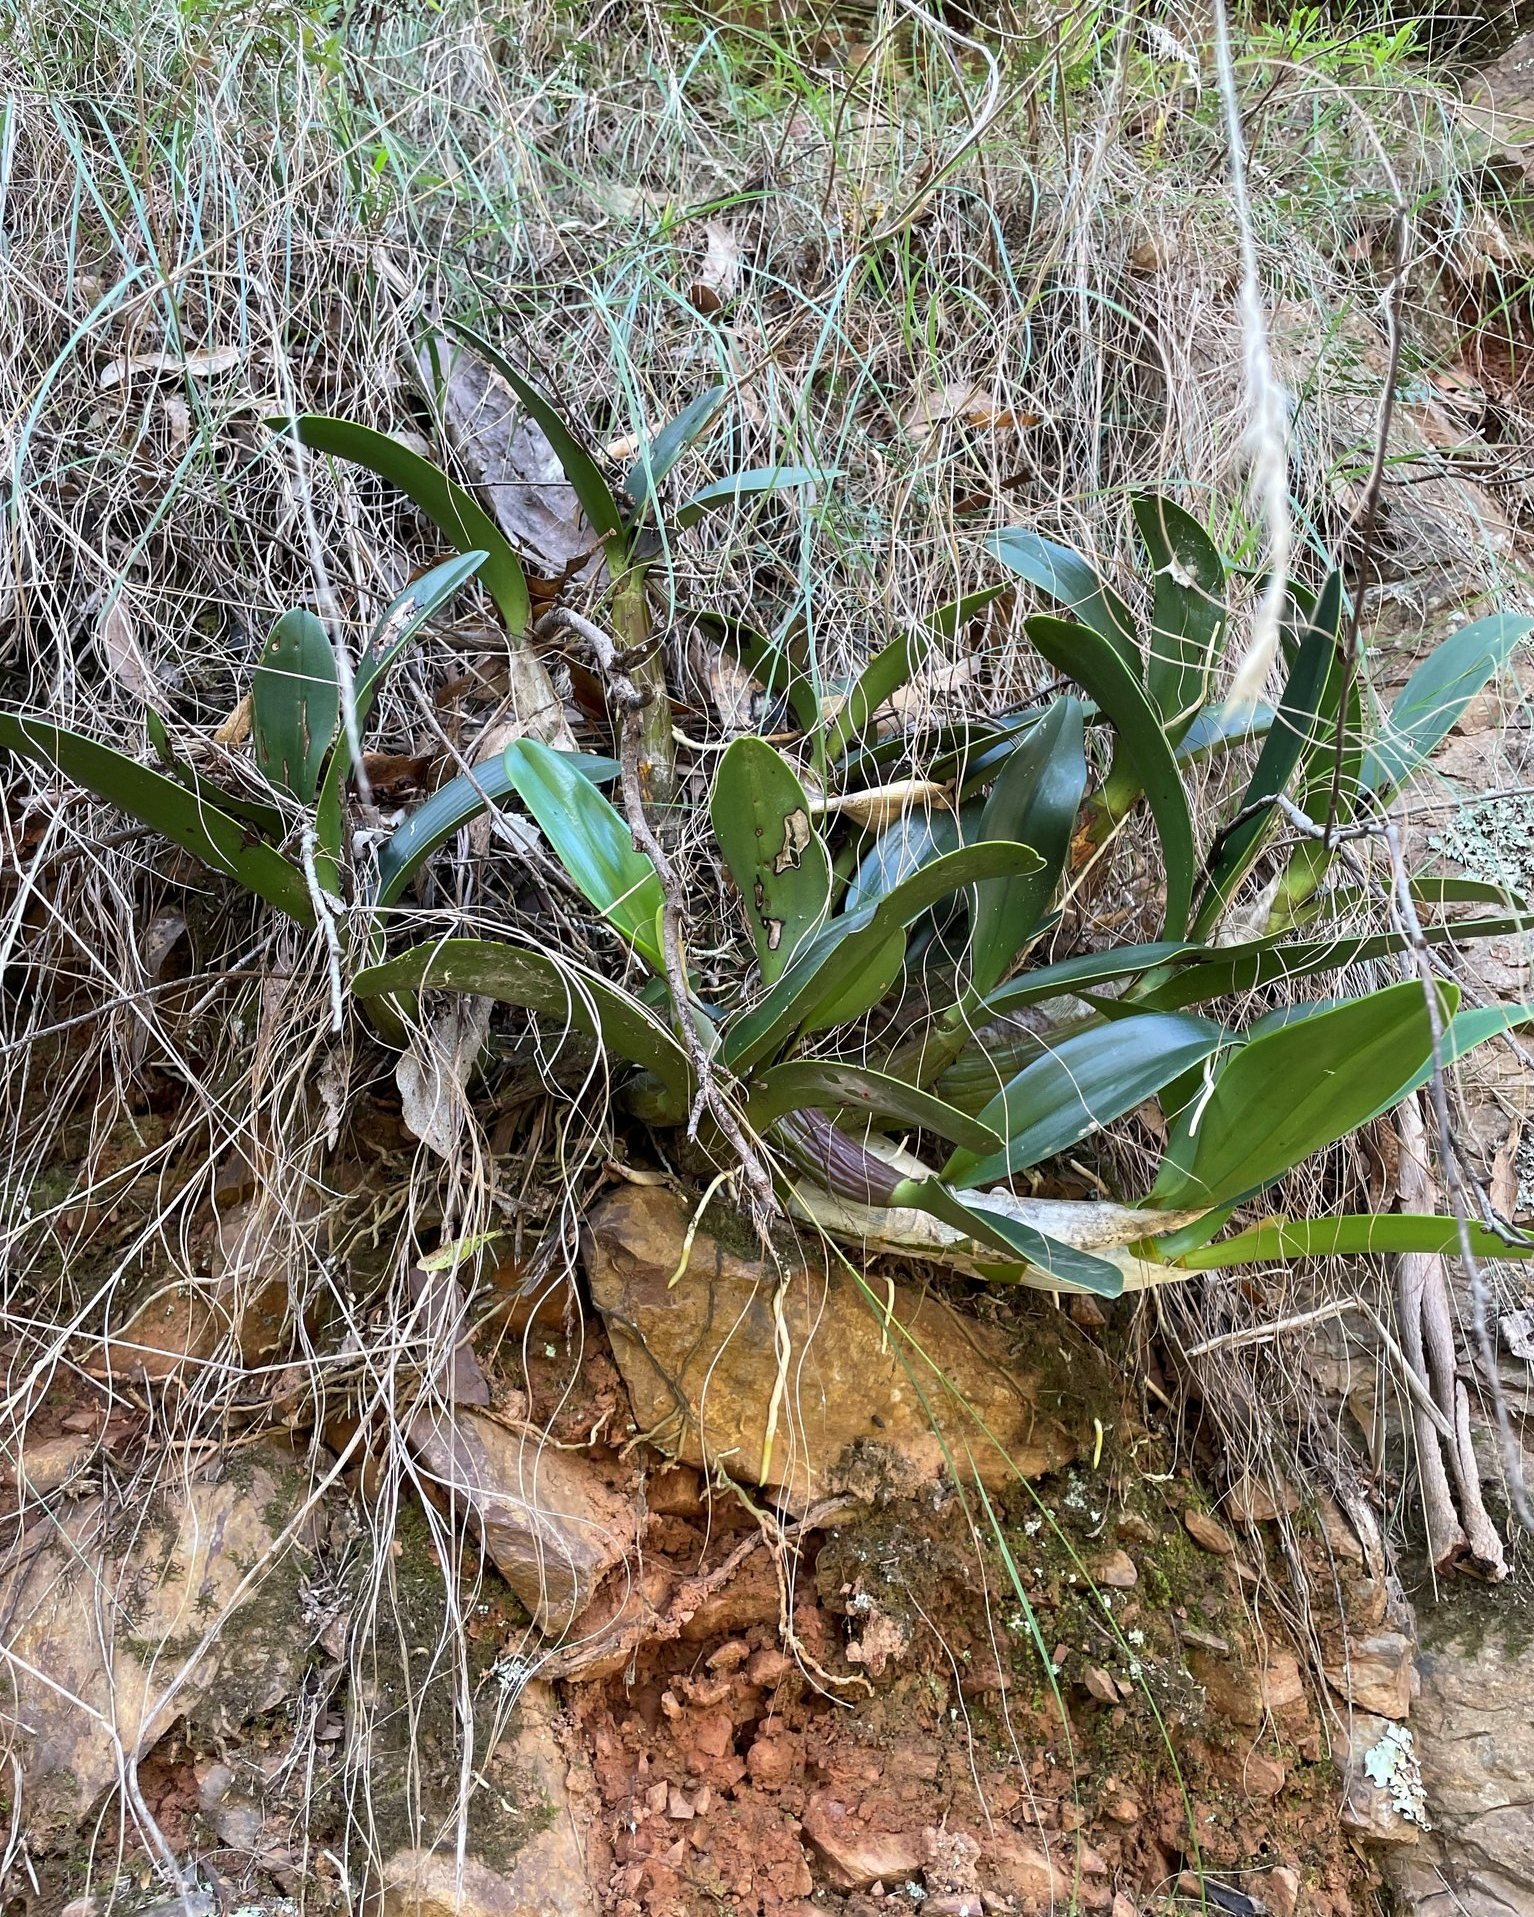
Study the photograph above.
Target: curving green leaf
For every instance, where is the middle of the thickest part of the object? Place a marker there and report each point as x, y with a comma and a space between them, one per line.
1310, 697
1349, 1235
1435, 696
586, 478
222, 843
295, 704
592, 842
752, 484
838, 960
1080, 1085
1188, 613
890, 668
657, 456
1063, 1266
1285, 1096
553, 988
905, 844
1034, 801
1091, 969
455, 513
1099, 668
1066, 577
827, 1084
772, 663
266, 818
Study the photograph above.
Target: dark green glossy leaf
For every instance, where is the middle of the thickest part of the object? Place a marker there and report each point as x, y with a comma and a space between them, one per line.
657, 458
840, 956
1063, 1266
222, 843
592, 842
1280, 1099
1297, 730
905, 844
295, 704
1436, 694
1067, 578
1091, 969
1217, 728
890, 668
770, 662
721, 494
456, 514
1188, 614
1350, 1235
568, 994
578, 466
1034, 801
776, 857
1099, 668
827, 1084
260, 813
1085, 1082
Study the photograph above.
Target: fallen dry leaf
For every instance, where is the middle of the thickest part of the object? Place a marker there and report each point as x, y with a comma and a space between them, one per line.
431, 1075
118, 637
206, 365
975, 405
1504, 1174
719, 276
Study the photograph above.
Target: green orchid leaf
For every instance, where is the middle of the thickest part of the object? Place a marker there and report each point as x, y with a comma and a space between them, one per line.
1063, 1267
1349, 1235
758, 481
1067, 579
592, 842
827, 1084
839, 959
578, 466
221, 843
456, 514
1099, 668
1188, 615
901, 848
569, 995
1435, 696
772, 663
657, 456
1080, 1085
1034, 801
892, 667
1281, 1098
777, 859
1310, 698
265, 817
295, 704
1091, 969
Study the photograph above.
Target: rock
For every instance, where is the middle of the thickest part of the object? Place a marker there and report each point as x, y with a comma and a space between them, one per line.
547, 1871
548, 1518
100, 1622
1251, 1501
1123, 1906
1100, 1685
702, 1365
1116, 1572
1010, 1867
1473, 1729
1382, 1792
1281, 1891
857, 1854
1377, 1674
1245, 1694
1123, 1809
1207, 1534
46, 1465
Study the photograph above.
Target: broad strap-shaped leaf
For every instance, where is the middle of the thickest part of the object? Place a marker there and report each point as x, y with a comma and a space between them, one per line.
1298, 727
777, 859
567, 994
1285, 1096
456, 514
907, 843
295, 704
895, 665
772, 662
1065, 576
222, 843
1435, 696
1349, 1235
260, 813
394, 631
1188, 613
1226, 971
1081, 1084
837, 960
592, 842
657, 456
586, 478
1034, 801
453, 806
720, 494
1098, 667
1464, 1032
827, 1085
1085, 973
986, 1224
1217, 728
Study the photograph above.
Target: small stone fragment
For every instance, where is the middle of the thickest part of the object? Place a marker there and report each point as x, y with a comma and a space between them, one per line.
1376, 1674
1251, 1501
1100, 1685
1281, 1890
1123, 1906
1116, 1572
1207, 1534
1123, 1809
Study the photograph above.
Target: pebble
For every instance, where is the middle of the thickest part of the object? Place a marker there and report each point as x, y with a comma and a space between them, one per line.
1207, 1534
